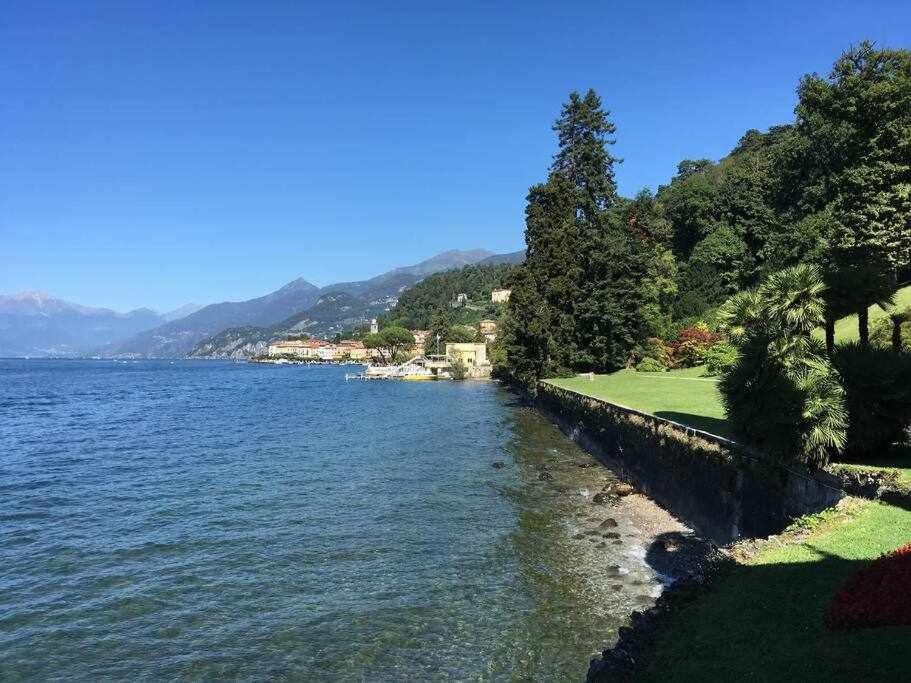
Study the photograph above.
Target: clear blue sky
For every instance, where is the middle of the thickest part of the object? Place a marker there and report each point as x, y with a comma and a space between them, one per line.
163, 152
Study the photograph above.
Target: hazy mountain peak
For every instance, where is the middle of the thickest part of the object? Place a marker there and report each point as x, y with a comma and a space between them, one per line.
181, 312
300, 284
36, 323
33, 295
42, 303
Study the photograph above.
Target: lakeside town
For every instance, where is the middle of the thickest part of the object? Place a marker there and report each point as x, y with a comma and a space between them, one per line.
424, 356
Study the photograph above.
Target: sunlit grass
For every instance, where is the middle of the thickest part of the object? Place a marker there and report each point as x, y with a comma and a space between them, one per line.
766, 619
686, 396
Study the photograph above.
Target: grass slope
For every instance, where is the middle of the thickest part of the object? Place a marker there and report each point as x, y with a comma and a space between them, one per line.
765, 620
685, 396
846, 328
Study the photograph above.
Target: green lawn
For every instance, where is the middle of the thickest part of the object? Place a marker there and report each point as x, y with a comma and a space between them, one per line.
685, 396
765, 620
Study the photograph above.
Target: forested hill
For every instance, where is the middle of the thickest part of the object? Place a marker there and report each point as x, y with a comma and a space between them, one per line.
421, 306
604, 274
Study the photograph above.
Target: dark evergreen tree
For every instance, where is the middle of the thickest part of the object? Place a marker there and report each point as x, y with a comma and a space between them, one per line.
608, 308
545, 290
576, 302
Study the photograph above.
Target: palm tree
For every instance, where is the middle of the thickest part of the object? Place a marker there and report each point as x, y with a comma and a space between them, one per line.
741, 312
859, 278
783, 393
898, 319
792, 299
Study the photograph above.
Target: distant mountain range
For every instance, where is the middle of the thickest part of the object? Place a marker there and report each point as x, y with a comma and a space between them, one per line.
235, 329
511, 257
37, 324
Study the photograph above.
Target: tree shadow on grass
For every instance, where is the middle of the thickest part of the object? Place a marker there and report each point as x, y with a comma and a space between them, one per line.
764, 622
897, 455
712, 425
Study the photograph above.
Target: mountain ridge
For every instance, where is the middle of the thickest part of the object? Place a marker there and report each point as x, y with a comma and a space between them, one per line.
39, 324
377, 293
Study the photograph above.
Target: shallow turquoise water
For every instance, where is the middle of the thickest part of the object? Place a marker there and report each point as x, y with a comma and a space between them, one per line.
203, 520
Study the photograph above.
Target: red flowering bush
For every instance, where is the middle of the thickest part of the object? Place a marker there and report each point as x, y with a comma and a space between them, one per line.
691, 345
877, 595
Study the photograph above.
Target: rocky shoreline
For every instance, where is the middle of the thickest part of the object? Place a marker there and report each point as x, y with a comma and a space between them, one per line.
636, 641
633, 549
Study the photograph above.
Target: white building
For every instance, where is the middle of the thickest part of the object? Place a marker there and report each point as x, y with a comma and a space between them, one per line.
500, 296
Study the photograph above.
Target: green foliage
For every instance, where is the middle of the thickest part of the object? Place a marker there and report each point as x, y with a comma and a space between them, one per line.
645, 219
877, 385
583, 136
426, 305
833, 190
572, 304
649, 364
713, 272
692, 345
720, 357
656, 348
396, 338
611, 313
390, 342
857, 123
462, 334
782, 395
690, 203
458, 370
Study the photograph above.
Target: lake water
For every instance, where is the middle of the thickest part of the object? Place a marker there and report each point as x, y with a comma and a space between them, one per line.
202, 520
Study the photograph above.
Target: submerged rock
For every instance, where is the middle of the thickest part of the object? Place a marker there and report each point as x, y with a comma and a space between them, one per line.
601, 498
609, 523
544, 475
498, 465
624, 489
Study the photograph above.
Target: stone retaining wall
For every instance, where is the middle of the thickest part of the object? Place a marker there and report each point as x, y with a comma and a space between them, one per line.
720, 489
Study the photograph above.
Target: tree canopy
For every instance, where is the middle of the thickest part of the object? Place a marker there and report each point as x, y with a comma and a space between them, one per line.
831, 189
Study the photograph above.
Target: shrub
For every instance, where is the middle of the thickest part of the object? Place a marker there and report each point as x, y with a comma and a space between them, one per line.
877, 595
692, 344
649, 364
720, 357
462, 334
458, 370
877, 385
656, 349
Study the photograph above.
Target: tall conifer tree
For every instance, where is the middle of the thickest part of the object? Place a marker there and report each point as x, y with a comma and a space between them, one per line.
575, 303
